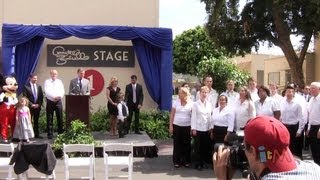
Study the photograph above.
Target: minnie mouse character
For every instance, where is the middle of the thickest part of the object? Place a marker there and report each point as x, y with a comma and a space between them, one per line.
8, 100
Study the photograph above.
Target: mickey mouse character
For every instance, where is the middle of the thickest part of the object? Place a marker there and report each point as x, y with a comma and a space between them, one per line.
8, 100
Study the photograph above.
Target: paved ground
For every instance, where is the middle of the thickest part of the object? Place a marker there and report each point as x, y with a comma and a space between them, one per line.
158, 168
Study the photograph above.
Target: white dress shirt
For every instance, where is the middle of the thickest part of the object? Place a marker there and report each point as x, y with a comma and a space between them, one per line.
182, 115
201, 116
314, 111
212, 97
243, 112
291, 114
120, 113
300, 100
267, 108
254, 95
232, 97
223, 118
277, 97
53, 89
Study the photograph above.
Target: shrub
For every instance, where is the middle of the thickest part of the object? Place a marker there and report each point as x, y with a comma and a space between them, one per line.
43, 121
222, 70
155, 123
78, 133
99, 120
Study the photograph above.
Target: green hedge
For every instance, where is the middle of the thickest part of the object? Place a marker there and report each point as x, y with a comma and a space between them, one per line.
155, 123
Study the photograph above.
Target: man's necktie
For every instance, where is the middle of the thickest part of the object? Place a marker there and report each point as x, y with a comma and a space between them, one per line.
34, 92
80, 84
134, 95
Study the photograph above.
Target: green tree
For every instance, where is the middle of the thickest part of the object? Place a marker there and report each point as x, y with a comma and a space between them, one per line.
222, 70
190, 48
270, 21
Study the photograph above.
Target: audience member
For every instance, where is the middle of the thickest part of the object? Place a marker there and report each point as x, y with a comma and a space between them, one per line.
292, 118
313, 131
180, 128
266, 105
230, 93
112, 93
200, 129
252, 86
33, 92
23, 130
123, 113
79, 85
223, 121
54, 91
245, 108
306, 93
194, 91
134, 98
274, 93
212, 94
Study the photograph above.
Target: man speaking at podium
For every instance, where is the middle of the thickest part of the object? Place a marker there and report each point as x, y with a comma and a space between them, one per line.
79, 85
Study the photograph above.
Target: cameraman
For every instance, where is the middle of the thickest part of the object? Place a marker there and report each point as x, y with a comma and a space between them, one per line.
266, 143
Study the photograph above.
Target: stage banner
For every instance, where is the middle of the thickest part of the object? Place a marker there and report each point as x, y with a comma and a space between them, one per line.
90, 56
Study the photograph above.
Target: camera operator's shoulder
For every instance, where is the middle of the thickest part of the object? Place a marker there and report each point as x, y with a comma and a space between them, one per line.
309, 168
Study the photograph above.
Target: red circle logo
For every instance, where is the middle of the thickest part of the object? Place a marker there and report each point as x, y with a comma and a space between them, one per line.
96, 81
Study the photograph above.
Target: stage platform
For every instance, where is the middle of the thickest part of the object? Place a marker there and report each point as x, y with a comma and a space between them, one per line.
143, 146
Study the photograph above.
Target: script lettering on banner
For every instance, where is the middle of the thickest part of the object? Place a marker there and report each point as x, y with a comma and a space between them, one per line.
90, 56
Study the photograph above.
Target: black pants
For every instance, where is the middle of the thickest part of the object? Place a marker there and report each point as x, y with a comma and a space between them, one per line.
202, 148
51, 108
306, 138
181, 145
121, 126
296, 143
133, 109
219, 133
35, 113
315, 143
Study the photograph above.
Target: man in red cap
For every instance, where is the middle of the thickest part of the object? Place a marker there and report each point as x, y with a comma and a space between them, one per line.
266, 144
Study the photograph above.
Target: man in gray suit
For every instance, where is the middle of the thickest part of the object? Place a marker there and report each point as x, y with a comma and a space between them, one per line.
79, 85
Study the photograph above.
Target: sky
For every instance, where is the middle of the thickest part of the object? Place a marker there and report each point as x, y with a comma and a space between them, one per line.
181, 15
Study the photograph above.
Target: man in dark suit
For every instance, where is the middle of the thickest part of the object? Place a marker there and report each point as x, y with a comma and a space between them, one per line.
79, 85
134, 99
34, 93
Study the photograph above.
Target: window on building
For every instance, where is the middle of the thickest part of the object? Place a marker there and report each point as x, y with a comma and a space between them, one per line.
288, 76
274, 78
260, 77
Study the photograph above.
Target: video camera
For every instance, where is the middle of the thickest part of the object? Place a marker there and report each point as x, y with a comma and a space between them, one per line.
237, 158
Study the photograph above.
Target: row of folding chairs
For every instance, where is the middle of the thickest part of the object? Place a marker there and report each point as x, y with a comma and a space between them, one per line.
83, 156
7, 151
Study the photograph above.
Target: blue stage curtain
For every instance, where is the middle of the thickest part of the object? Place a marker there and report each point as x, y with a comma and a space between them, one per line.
159, 40
26, 59
149, 61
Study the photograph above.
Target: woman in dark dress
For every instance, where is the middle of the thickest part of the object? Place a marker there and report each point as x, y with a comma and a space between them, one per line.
112, 92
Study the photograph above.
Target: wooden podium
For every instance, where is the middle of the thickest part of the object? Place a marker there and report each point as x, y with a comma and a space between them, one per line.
77, 107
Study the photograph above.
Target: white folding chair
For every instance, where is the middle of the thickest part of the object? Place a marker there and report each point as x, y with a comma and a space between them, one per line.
84, 161
4, 161
115, 160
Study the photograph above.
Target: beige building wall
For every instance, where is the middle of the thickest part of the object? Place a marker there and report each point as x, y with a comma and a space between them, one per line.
140, 13
281, 66
253, 63
276, 68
